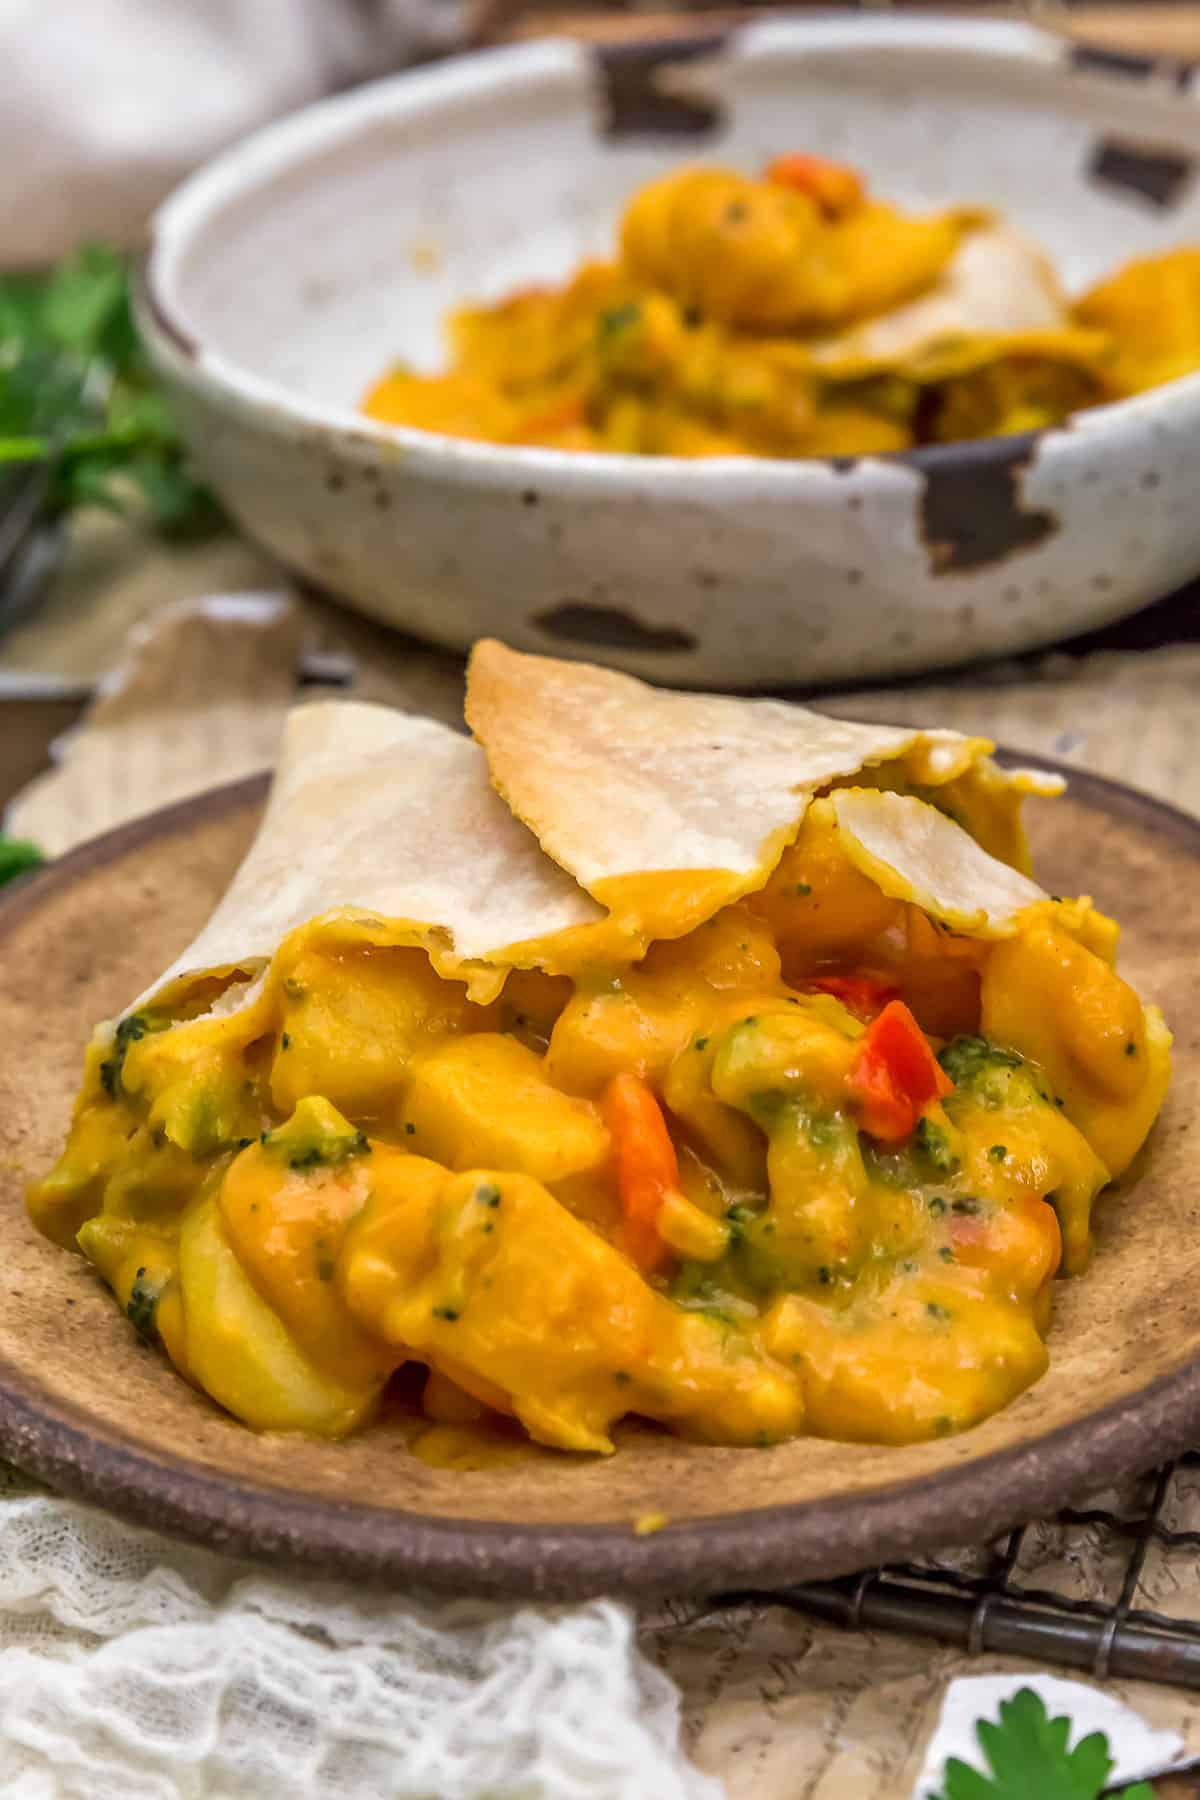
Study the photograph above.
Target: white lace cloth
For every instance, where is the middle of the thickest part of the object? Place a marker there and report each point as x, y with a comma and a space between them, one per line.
134, 1666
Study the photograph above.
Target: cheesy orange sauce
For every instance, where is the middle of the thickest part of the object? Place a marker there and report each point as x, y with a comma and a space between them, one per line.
357, 1168
725, 325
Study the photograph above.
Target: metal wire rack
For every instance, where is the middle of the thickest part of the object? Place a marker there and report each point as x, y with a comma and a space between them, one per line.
981, 1601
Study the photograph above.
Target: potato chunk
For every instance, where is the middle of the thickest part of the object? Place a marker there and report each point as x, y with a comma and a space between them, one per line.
285, 1206
934, 1357
484, 1100
352, 1019
506, 1292
240, 1351
1063, 1007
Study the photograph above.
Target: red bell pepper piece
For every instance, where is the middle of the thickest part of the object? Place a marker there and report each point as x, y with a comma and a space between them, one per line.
895, 1075
863, 995
647, 1167
835, 188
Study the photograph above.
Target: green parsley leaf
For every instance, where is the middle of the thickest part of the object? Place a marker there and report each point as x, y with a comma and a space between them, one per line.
17, 856
78, 394
1028, 1759
85, 304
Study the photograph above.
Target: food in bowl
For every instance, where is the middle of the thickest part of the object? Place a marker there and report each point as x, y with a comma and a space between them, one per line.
793, 316
702, 1059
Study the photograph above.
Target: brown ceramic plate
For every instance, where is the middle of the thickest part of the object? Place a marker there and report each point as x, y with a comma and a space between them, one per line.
88, 1410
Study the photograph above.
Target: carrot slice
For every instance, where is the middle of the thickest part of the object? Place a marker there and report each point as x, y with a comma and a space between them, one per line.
895, 1074
557, 415
834, 187
647, 1167
1023, 1238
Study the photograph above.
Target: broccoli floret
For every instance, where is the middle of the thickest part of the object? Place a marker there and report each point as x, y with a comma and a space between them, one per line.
129, 1031
142, 1305
934, 1146
966, 1058
316, 1136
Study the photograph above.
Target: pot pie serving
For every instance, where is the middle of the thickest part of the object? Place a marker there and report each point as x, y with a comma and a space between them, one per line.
702, 1059
796, 315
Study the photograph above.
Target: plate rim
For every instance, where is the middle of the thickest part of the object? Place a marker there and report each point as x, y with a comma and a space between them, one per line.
764, 1547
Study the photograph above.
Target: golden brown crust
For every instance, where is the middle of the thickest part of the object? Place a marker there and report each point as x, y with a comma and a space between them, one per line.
601, 789
913, 852
617, 778
392, 817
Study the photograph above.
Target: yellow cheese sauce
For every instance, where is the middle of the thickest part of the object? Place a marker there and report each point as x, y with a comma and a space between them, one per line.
734, 320
357, 1170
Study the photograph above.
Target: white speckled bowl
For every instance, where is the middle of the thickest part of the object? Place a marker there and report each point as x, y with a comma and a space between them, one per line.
291, 271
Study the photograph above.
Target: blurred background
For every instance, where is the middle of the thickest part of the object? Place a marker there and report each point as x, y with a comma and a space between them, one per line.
108, 538
112, 105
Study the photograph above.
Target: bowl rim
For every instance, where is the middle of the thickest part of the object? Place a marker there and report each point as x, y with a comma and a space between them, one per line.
308, 133
54, 1441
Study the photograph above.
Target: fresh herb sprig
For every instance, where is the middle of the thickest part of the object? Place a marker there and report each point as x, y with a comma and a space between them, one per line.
17, 857
77, 393
1028, 1759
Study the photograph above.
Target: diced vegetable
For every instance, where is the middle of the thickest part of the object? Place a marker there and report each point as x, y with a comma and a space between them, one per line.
17, 857
142, 1305
967, 1057
240, 1351
559, 415
128, 1032
1020, 1242
647, 1167
835, 188
935, 1147
895, 1075
316, 1136
691, 1231
863, 995
540, 1131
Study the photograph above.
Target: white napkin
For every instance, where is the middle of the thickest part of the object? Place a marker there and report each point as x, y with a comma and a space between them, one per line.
134, 1666
1138, 1751
111, 104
